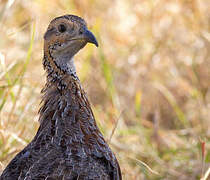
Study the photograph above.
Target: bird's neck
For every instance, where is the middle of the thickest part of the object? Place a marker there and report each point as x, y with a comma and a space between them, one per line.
65, 111
58, 67
71, 70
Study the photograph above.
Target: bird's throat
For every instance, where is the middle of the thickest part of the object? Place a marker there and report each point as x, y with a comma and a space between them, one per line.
66, 64
59, 66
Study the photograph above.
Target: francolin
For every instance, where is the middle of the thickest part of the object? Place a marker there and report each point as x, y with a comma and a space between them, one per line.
68, 144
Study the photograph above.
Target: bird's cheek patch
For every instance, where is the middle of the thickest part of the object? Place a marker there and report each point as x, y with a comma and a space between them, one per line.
49, 33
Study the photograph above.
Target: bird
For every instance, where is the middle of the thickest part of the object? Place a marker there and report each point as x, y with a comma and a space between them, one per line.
68, 144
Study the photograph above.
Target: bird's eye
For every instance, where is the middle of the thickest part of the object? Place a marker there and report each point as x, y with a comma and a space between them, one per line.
62, 28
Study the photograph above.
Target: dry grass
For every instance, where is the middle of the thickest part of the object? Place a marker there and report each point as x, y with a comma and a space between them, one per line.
150, 75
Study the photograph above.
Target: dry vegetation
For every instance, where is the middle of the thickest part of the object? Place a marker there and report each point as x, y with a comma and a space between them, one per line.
148, 82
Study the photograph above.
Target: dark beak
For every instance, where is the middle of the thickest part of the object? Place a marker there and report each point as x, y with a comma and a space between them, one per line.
90, 37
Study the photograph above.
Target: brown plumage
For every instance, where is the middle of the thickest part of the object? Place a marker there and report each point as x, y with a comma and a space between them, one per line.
68, 144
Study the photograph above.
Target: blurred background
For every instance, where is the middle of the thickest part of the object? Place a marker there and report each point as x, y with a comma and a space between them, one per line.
148, 82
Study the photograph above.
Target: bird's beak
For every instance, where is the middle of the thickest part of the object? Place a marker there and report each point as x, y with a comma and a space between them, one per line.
90, 37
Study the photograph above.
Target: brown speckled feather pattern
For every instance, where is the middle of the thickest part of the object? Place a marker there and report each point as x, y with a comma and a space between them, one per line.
68, 144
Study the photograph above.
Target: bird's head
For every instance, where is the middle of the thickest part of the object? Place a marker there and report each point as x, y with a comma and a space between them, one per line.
65, 36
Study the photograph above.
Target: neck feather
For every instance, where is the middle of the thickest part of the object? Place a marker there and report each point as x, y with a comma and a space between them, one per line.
66, 112
71, 67
57, 67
